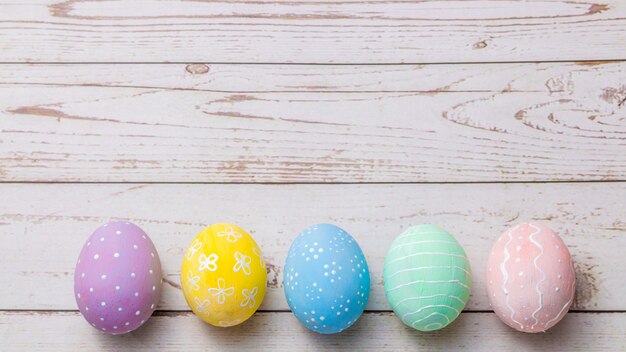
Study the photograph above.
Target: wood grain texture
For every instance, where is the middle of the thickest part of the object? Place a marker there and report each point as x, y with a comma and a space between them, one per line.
276, 123
67, 331
35, 219
292, 107
347, 31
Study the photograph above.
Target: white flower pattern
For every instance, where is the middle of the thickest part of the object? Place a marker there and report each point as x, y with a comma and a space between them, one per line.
249, 297
202, 306
192, 281
243, 263
195, 247
260, 255
221, 291
230, 234
209, 263
227, 323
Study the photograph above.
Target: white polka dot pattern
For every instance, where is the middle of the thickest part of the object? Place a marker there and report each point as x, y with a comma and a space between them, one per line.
117, 281
327, 280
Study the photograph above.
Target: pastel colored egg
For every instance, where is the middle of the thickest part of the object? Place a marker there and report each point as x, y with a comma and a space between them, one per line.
427, 277
223, 275
530, 278
117, 280
326, 279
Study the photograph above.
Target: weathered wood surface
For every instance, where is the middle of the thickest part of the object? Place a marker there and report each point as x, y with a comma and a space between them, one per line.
44, 226
556, 79
67, 331
348, 31
214, 97
276, 123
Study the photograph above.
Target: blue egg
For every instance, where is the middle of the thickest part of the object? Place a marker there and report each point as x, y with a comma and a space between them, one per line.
327, 281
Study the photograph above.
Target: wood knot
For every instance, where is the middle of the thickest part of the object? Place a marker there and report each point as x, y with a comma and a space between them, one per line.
273, 274
480, 45
614, 96
555, 85
597, 8
197, 69
586, 286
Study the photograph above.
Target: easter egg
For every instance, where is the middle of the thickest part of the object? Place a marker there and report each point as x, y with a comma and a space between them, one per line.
326, 279
117, 280
223, 275
427, 277
530, 278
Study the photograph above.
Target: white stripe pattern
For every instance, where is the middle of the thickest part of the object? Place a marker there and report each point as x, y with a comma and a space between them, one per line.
427, 265
427, 253
431, 306
421, 242
429, 282
430, 315
426, 297
438, 325
430, 267
409, 234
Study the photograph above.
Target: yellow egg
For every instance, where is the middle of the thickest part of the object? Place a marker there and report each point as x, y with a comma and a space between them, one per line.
223, 275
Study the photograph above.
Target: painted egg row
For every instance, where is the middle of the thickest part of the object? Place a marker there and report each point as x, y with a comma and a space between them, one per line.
427, 277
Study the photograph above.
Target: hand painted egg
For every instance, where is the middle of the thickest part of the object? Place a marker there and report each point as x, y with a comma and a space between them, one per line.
326, 279
427, 277
223, 275
117, 281
530, 278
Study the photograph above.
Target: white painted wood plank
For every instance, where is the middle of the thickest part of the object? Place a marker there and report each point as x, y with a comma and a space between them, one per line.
554, 78
350, 31
36, 218
435, 123
67, 331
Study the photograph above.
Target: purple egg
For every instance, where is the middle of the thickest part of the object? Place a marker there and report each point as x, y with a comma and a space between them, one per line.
117, 281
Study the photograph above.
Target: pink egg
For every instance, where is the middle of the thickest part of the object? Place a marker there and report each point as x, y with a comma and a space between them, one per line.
117, 281
530, 278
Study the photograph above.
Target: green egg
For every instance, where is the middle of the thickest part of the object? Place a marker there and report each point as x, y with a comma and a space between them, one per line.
427, 277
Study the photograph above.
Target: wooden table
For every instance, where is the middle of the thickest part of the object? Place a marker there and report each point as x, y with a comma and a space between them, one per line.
275, 115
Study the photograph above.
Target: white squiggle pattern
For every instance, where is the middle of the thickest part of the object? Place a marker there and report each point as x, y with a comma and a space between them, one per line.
543, 274
439, 325
409, 234
505, 276
430, 315
427, 253
421, 242
430, 282
430, 267
425, 297
431, 306
567, 304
